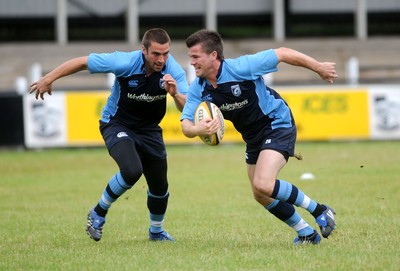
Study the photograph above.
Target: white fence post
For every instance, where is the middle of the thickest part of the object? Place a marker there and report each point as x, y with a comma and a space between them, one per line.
110, 80
190, 73
268, 79
35, 72
21, 85
352, 71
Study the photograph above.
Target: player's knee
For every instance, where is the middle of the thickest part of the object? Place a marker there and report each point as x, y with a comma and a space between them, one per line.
158, 188
262, 188
131, 174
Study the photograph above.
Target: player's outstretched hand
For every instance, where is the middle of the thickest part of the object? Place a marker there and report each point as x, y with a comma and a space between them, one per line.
40, 87
327, 71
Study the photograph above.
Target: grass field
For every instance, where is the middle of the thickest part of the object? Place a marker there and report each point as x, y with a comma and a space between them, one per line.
45, 196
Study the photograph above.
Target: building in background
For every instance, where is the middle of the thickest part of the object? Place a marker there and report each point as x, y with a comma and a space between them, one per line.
96, 20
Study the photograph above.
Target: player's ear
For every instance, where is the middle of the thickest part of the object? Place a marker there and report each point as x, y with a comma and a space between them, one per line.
214, 54
144, 50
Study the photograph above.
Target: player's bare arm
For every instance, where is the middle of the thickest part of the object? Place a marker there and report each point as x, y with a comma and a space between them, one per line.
171, 87
207, 126
44, 84
326, 70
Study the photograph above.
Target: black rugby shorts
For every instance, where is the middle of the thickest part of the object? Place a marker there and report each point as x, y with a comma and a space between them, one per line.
282, 140
149, 142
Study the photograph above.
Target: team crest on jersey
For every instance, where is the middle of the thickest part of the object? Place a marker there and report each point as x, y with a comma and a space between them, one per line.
161, 84
236, 91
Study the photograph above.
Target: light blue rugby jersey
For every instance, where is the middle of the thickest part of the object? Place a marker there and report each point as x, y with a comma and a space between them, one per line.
242, 95
136, 100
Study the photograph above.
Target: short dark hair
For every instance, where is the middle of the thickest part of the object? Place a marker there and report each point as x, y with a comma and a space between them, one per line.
158, 35
210, 41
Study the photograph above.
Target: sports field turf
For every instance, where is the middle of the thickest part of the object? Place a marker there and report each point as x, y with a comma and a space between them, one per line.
45, 196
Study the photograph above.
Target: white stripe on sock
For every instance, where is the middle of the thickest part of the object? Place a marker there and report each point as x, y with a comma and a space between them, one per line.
300, 225
154, 223
306, 202
105, 201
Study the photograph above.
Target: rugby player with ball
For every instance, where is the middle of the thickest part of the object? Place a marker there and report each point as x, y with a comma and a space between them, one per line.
262, 117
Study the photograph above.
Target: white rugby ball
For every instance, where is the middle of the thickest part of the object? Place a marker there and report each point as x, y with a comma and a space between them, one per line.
208, 109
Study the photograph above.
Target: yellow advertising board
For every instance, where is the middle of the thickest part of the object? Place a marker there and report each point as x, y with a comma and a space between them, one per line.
83, 114
83, 110
171, 126
322, 114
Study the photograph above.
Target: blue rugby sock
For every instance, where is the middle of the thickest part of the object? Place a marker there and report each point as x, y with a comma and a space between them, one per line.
157, 206
286, 212
289, 193
156, 223
115, 188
